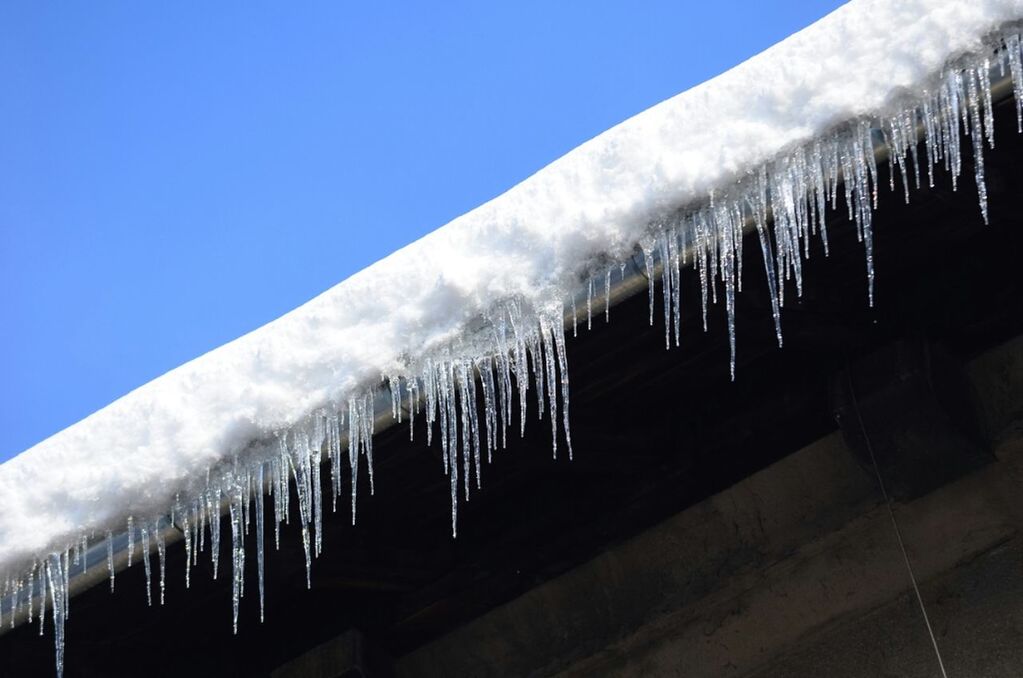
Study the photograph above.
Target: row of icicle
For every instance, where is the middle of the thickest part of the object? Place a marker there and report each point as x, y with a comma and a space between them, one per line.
783, 201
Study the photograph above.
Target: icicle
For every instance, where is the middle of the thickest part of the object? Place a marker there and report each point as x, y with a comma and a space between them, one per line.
866, 158
559, 343
1014, 51
110, 559
394, 387
246, 490
474, 424
15, 591
67, 571
648, 264
334, 454
702, 246
547, 349
977, 136
760, 217
42, 599
161, 553
197, 531
186, 530
607, 296
55, 577
31, 593
144, 530
538, 374
575, 320
449, 426
317, 486
589, 304
259, 535
442, 416
521, 372
354, 423
201, 526
12, 591
675, 280
368, 423
213, 509
665, 288
237, 556
131, 539
276, 470
463, 398
490, 404
300, 463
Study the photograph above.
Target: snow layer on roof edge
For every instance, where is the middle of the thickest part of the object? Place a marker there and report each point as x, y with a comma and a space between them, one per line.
533, 244
499, 310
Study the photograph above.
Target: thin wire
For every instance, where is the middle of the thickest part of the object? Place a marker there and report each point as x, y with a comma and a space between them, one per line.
895, 524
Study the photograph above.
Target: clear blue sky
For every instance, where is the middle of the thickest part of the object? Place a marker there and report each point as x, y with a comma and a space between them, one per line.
173, 175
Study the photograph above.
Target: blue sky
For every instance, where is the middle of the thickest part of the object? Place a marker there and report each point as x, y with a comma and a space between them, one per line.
176, 176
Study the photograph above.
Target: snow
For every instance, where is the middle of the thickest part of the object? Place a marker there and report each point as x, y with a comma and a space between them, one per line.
469, 312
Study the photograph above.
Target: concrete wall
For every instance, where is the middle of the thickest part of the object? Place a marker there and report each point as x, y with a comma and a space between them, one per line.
794, 571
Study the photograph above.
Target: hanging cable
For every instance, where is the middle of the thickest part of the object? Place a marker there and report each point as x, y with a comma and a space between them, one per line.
895, 523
